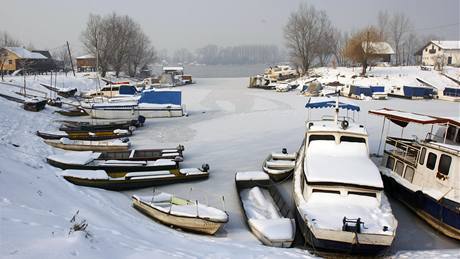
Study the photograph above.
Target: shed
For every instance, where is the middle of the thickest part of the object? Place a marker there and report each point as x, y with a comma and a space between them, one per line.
86, 63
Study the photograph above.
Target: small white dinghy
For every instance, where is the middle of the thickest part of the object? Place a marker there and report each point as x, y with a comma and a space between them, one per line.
279, 166
267, 214
86, 145
181, 213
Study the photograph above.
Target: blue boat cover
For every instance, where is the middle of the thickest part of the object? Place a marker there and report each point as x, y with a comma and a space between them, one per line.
161, 96
377, 89
324, 102
127, 89
417, 91
358, 90
452, 91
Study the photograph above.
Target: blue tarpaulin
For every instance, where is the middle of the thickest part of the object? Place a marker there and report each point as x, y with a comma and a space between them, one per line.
322, 102
127, 89
417, 91
377, 89
358, 90
452, 91
161, 97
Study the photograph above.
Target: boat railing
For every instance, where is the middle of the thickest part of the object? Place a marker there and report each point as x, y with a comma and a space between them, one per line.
340, 118
404, 149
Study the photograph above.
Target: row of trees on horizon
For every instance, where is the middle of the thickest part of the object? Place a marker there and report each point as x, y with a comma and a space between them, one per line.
120, 44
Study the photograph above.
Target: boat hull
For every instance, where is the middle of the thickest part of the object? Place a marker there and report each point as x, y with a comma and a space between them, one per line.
443, 215
130, 184
193, 224
84, 135
114, 168
333, 244
76, 147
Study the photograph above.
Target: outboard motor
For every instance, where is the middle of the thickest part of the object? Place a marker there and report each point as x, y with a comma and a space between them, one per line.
180, 148
205, 167
124, 140
284, 151
178, 159
141, 120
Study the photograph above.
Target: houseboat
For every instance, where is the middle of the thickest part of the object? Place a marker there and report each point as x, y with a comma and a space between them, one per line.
337, 189
424, 173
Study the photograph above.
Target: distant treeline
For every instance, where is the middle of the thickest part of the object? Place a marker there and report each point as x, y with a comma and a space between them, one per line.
232, 55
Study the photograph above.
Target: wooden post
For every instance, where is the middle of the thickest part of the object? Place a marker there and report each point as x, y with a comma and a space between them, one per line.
70, 56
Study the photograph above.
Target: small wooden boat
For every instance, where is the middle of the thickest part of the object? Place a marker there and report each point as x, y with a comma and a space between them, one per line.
267, 214
133, 180
86, 145
91, 161
86, 135
181, 213
34, 104
279, 166
144, 154
99, 125
64, 92
73, 112
54, 102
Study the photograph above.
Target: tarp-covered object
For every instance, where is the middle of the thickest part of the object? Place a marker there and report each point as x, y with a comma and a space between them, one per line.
161, 97
451, 91
358, 90
324, 102
377, 89
417, 91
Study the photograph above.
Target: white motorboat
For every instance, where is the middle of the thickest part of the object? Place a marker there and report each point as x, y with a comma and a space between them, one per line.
338, 192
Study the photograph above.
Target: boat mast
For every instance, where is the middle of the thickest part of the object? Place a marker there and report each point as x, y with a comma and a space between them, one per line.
336, 117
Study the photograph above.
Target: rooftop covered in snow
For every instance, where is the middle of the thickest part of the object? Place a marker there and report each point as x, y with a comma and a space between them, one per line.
24, 53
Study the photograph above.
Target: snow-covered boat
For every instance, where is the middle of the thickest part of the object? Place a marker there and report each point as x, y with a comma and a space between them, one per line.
34, 104
76, 112
267, 215
338, 192
425, 173
133, 180
279, 166
153, 103
144, 154
92, 161
85, 145
101, 124
95, 135
181, 213
64, 92
412, 92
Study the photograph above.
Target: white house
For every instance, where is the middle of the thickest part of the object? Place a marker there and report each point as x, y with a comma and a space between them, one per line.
446, 51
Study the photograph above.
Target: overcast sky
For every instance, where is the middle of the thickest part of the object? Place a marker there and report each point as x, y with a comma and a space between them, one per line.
173, 24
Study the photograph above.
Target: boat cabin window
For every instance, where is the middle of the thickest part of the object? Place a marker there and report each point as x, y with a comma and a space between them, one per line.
444, 164
431, 161
321, 137
326, 191
391, 163
370, 194
399, 168
352, 139
421, 160
409, 173
451, 130
457, 139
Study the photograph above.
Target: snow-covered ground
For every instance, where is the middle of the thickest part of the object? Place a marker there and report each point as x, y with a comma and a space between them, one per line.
229, 126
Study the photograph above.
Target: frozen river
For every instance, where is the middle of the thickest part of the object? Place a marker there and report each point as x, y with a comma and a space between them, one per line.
233, 128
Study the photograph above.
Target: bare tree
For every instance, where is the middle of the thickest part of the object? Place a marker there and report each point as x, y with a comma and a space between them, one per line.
141, 53
360, 49
399, 26
305, 33
383, 23
95, 40
183, 55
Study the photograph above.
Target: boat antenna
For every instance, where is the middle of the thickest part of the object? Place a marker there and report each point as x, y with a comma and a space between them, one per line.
336, 117
223, 203
197, 211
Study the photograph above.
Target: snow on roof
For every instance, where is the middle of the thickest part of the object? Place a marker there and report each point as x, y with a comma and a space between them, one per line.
173, 68
378, 47
23, 53
447, 44
343, 163
326, 102
86, 56
414, 117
